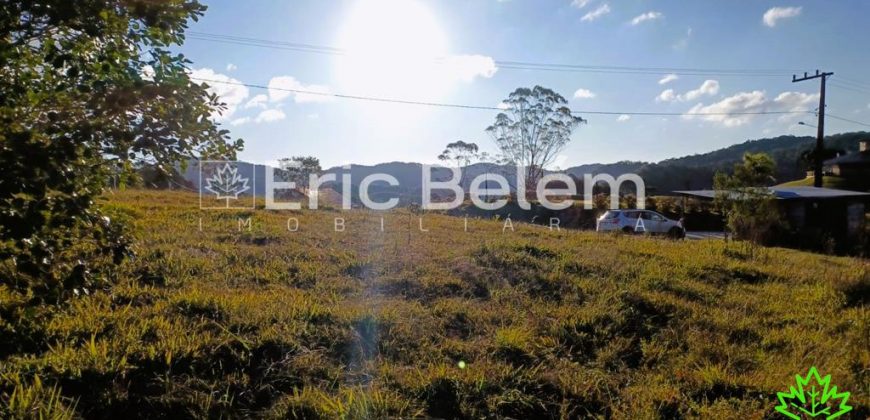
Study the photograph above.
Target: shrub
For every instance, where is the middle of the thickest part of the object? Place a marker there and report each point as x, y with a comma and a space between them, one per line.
749, 206
104, 93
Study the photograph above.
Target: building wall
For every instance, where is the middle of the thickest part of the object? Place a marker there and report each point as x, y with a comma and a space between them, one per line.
840, 218
855, 219
852, 171
796, 214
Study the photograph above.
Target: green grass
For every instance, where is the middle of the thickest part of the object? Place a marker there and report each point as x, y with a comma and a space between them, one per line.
370, 324
828, 181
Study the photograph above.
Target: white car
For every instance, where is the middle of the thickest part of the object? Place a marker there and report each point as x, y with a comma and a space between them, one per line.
639, 221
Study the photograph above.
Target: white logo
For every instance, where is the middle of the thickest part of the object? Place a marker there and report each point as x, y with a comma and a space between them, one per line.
554, 191
224, 182
227, 183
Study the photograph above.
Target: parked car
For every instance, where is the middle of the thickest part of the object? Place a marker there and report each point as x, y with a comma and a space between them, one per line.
640, 221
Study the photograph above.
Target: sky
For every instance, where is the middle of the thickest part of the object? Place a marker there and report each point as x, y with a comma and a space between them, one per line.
457, 52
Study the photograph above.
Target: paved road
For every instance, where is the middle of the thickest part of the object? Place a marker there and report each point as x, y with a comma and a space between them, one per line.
705, 235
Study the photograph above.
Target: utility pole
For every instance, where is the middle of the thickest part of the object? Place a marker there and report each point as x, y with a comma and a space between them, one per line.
820, 136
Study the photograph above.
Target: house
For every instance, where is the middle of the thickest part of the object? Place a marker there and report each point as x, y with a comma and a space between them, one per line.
839, 213
852, 165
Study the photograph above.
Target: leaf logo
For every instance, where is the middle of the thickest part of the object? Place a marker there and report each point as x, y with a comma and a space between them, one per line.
226, 183
814, 397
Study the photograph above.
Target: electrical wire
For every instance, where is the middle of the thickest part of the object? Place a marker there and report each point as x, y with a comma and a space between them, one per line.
840, 82
506, 64
639, 71
276, 46
487, 108
847, 120
852, 82
851, 89
264, 41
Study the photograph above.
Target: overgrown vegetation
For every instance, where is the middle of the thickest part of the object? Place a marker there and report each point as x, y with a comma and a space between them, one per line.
747, 202
88, 88
489, 323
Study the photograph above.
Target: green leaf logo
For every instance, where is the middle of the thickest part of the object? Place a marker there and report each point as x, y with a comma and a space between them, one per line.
813, 397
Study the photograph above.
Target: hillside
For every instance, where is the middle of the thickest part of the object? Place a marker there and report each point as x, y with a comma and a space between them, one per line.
694, 171
446, 323
688, 172
786, 151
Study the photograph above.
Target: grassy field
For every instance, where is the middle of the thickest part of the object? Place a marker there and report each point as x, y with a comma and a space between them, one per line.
530, 323
829, 181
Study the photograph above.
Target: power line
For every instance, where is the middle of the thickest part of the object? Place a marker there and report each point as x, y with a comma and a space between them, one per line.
265, 41
507, 64
852, 88
634, 69
252, 42
652, 72
848, 120
853, 82
849, 82
486, 108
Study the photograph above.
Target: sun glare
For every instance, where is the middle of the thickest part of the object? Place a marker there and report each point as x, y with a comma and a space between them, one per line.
391, 46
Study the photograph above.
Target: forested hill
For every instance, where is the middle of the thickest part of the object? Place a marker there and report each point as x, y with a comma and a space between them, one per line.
688, 172
786, 150
696, 171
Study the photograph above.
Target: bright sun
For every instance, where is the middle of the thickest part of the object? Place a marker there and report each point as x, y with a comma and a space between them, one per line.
392, 47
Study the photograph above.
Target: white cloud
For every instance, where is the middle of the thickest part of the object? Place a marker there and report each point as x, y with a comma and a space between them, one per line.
646, 16
667, 95
231, 67
755, 101
668, 79
580, 3
503, 106
240, 121
584, 94
772, 15
467, 67
708, 88
281, 87
270, 115
313, 116
230, 90
796, 101
623, 118
597, 13
258, 101
742, 102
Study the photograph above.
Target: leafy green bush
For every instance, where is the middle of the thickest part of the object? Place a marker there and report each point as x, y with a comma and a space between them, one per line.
748, 204
86, 89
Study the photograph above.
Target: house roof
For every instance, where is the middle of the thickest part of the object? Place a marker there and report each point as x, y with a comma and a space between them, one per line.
860, 158
789, 193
